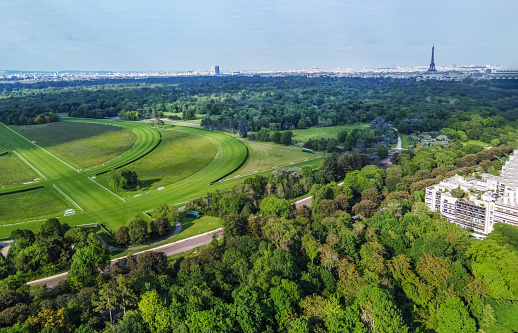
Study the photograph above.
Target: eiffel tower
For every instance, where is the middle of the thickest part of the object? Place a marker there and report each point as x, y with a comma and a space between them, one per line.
432, 63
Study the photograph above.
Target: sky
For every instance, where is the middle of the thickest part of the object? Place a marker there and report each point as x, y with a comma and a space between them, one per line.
171, 35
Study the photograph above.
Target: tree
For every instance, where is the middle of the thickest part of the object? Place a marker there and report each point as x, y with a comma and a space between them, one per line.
286, 138
263, 134
22, 238
311, 246
166, 211
108, 299
122, 235
158, 122
151, 263
160, 226
154, 312
379, 311
253, 310
77, 236
276, 137
131, 180
127, 295
453, 317
86, 263
328, 167
274, 206
281, 231
285, 297
382, 152
137, 230
365, 208
497, 266
116, 180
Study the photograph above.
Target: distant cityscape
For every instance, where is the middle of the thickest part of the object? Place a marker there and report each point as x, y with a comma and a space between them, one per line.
420, 73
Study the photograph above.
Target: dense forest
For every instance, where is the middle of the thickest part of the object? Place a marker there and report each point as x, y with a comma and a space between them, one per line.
247, 104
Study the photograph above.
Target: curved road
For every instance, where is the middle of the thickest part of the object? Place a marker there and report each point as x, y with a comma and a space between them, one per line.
169, 249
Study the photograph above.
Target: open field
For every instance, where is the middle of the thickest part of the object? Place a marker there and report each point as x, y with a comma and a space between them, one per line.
198, 119
82, 144
478, 143
262, 157
15, 171
192, 227
4, 147
303, 135
24, 206
103, 206
178, 156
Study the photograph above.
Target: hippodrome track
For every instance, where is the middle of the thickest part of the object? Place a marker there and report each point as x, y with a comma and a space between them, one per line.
94, 203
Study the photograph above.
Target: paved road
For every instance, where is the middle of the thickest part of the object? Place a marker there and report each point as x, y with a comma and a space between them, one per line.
5, 247
304, 202
398, 149
169, 249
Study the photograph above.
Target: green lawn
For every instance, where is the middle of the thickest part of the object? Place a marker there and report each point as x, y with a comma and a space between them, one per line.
198, 119
4, 147
192, 227
99, 204
478, 143
15, 171
178, 156
82, 144
262, 157
315, 132
24, 206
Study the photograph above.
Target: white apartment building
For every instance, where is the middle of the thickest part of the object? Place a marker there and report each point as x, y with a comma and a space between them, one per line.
487, 199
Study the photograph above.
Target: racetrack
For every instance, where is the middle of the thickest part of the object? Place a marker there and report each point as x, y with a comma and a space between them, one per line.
95, 204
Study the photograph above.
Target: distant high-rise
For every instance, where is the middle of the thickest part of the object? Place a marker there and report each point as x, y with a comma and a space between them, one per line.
216, 70
432, 63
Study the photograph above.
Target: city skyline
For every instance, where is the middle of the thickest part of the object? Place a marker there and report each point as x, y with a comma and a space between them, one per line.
61, 35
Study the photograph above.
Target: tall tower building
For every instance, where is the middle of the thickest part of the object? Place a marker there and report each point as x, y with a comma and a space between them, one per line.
432, 63
216, 70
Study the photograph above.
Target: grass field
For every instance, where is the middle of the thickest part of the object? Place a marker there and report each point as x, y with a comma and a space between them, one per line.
198, 119
15, 171
192, 227
4, 147
179, 155
303, 135
26, 205
82, 144
262, 157
477, 142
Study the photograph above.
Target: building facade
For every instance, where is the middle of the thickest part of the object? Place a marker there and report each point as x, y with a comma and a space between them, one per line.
478, 202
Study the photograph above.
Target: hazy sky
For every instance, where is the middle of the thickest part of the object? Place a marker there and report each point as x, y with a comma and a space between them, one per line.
255, 35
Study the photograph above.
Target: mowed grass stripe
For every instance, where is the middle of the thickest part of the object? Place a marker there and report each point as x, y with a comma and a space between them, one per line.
104, 208
30, 165
43, 149
54, 169
234, 153
81, 144
14, 171
67, 197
